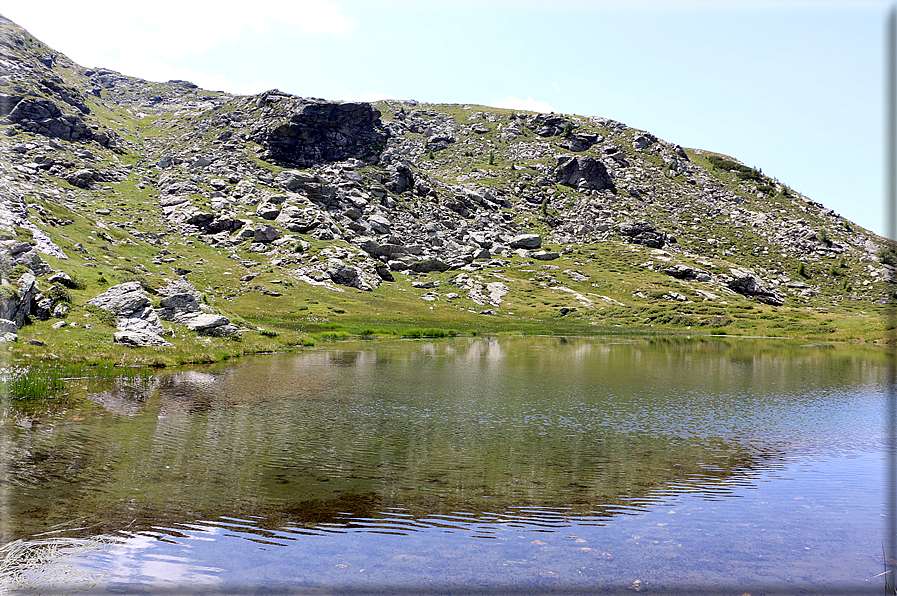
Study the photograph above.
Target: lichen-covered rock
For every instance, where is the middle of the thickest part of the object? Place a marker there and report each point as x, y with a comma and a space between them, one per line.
131, 306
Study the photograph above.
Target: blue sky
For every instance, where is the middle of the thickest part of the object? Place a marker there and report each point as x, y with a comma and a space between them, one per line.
794, 87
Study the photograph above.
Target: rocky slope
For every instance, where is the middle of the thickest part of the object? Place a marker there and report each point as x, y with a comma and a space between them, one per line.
190, 211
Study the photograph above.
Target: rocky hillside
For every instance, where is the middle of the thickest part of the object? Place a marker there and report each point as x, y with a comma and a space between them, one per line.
153, 214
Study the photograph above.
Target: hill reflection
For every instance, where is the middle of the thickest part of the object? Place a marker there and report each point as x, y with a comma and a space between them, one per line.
386, 437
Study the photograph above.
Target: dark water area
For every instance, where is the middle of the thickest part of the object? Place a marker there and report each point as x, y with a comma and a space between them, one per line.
470, 465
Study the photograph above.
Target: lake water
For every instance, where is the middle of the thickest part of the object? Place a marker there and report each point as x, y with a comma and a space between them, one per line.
475, 465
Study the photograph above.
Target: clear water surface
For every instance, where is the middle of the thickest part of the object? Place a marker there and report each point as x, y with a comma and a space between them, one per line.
475, 465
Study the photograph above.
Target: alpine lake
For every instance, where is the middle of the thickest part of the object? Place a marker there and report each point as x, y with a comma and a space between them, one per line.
471, 465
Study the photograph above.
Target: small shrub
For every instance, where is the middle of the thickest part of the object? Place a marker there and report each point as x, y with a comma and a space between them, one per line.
58, 293
888, 255
24, 235
802, 270
268, 333
77, 283
102, 315
18, 271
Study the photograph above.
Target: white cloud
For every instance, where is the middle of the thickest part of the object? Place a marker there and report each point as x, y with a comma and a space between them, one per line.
528, 104
367, 96
92, 32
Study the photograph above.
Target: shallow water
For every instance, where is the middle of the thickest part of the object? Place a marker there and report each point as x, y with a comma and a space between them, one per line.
476, 464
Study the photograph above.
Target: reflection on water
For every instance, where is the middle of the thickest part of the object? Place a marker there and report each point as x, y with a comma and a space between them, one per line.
437, 444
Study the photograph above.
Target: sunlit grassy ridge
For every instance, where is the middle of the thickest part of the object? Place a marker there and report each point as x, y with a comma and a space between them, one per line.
714, 212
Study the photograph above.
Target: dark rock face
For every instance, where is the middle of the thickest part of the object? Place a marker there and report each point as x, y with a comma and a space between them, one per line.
44, 117
582, 173
643, 233
320, 132
401, 179
549, 125
580, 141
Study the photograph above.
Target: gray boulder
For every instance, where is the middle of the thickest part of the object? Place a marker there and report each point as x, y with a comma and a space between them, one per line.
131, 307
17, 301
62, 278
428, 265
8, 331
179, 308
750, 284
344, 274
583, 173
644, 141
401, 179
686, 272
643, 233
138, 339
294, 179
265, 234
526, 241
206, 323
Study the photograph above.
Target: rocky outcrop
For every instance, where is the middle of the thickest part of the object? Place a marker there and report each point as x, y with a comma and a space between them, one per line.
303, 132
43, 117
135, 316
181, 303
750, 284
582, 173
17, 301
14, 253
643, 233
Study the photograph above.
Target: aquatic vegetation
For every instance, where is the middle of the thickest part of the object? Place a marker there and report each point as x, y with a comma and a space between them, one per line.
40, 564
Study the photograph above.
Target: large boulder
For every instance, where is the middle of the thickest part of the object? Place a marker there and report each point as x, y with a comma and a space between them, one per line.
526, 241
643, 233
210, 324
131, 306
17, 301
319, 132
401, 179
428, 265
179, 308
583, 173
138, 339
750, 284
